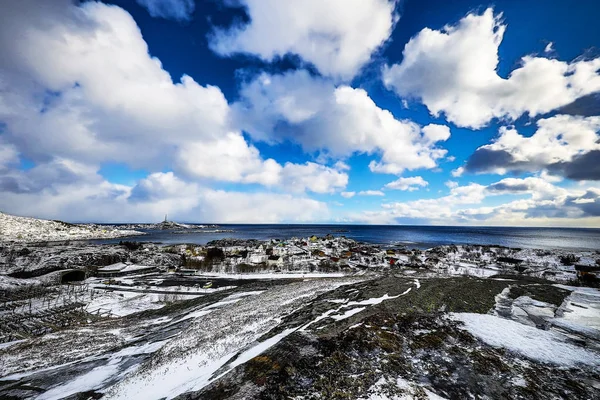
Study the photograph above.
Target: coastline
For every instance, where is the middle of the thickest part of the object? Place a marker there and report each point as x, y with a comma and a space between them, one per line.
137, 319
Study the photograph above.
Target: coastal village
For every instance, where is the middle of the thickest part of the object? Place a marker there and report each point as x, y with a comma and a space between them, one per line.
338, 254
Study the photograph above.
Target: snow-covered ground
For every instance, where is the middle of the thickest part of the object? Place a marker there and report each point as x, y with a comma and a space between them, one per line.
190, 361
536, 344
274, 275
580, 312
410, 390
25, 229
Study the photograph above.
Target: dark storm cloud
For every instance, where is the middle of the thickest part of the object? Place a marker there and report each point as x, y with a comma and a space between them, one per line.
583, 167
586, 106
507, 187
591, 206
483, 160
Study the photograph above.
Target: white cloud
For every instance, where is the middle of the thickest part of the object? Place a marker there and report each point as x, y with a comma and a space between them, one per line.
105, 99
228, 158
546, 204
179, 10
451, 184
411, 183
337, 121
371, 193
102, 96
341, 166
457, 172
347, 195
232, 159
8, 155
453, 70
549, 48
337, 36
314, 177
93, 199
539, 188
564, 145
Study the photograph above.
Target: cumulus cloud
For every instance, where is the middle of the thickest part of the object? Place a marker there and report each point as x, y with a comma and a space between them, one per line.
337, 36
586, 106
457, 172
92, 198
8, 155
337, 121
81, 86
563, 145
47, 176
101, 95
231, 159
371, 193
538, 188
543, 204
179, 10
454, 71
410, 184
347, 195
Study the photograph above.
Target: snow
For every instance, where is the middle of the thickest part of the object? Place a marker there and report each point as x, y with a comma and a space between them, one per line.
410, 390
9, 283
92, 380
417, 284
471, 270
24, 229
176, 290
8, 344
580, 312
124, 303
261, 348
231, 299
272, 275
544, 346
190, 360
338, 301
348, 313
122, 267
368, 302
95, 378
376, 300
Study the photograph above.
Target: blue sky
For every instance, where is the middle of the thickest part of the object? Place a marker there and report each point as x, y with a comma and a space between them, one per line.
381, 112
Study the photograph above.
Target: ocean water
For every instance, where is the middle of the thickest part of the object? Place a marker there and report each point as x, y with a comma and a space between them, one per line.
421, 237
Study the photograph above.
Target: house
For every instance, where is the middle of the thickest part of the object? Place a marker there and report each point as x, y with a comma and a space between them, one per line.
257, 258
275, 261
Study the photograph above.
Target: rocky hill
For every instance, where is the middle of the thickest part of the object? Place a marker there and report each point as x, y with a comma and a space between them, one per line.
25, 229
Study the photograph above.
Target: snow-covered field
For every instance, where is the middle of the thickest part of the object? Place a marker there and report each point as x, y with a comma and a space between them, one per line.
25, 229
274, 275
536, 344
190, 361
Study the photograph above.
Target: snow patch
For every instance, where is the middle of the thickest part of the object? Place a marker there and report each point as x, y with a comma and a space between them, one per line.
536, 344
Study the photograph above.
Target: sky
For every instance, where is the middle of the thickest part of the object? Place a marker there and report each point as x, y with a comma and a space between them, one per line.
302, 111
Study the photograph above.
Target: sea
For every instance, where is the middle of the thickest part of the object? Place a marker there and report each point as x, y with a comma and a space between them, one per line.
421, 237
